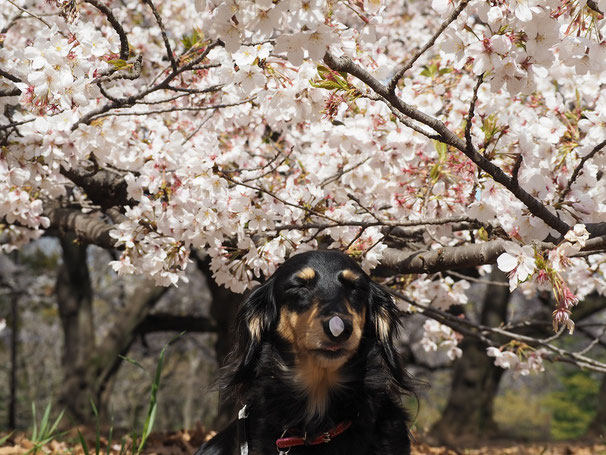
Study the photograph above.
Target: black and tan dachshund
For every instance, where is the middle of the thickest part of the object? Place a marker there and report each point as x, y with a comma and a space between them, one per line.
315, 367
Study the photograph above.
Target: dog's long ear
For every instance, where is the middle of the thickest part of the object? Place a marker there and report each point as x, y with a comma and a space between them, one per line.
384, 323
254, 320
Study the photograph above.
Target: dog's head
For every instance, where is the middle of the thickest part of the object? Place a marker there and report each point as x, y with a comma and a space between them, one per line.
322, 306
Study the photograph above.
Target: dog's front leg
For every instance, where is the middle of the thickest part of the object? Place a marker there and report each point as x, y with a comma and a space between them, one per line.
391, 431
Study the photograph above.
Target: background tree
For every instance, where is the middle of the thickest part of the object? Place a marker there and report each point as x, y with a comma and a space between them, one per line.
417, 138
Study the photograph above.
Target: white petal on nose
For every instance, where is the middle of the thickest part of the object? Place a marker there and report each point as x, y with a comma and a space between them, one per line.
336, 326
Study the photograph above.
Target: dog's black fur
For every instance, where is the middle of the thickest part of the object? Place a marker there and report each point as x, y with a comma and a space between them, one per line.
298, 380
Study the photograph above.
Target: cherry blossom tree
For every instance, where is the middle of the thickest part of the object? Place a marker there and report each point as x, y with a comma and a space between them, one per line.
418, 137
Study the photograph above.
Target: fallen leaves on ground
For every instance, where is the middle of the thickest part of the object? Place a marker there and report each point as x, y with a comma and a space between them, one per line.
185, 442
515, 449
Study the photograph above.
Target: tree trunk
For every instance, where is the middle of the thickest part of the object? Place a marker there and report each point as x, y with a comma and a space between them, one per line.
223, 309
88, 366
74, 297
597, 427
12, 406
468, 415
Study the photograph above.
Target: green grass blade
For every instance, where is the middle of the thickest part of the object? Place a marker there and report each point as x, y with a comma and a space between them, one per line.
44, 423
153, 400
97, 430
50, 437
83, 443
133, 362
5, 438
35, 430
110, 437
34, 449
56, 423
122, 446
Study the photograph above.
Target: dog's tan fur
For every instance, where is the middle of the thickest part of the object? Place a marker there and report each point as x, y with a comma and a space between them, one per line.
316, 374
350, 275
306, 274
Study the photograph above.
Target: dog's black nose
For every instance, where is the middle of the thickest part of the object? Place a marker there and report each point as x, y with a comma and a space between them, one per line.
338, 328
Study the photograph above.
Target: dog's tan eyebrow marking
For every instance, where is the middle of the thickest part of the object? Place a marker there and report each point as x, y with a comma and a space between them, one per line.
306, 274
350, 275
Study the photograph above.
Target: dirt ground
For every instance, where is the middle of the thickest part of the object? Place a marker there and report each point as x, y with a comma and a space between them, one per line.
185, 442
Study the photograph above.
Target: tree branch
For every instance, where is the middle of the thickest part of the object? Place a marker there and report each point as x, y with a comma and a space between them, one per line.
482, 332
393, 83
345, 64
470, 113
87, 227
12, 92
441, 259
122, 334
104, 188
9, 76
165, 322
169, 51
29, 13
124, 46
594, 6
597, 149
131, 100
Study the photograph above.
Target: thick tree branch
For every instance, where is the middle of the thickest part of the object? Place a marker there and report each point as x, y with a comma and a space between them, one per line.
430, 261
87, 227
469, 255
104, 188
165, 322
11, 92
123, 332
345, 64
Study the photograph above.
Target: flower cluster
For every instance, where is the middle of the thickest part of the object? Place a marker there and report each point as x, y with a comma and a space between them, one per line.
518, 357
523, 263
439, 337
253, 150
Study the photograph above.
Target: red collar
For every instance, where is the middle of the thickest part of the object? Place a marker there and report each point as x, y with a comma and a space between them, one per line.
285, 443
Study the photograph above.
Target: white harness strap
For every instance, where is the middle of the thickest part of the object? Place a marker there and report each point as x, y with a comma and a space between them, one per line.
242, 416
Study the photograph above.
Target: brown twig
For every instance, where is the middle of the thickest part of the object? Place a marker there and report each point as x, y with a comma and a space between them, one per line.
470, 113
480, 332
171, 109
124, 46
597, 149
169, 51
29, 13
391, 87
131, 100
